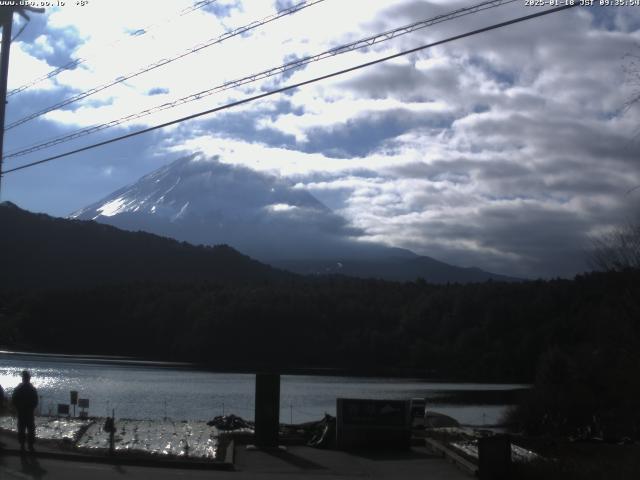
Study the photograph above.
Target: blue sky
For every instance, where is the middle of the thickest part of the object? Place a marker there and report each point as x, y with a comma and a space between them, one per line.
505, 151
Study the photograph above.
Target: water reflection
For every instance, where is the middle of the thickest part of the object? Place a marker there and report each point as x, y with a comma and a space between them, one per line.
42, 378
151, 391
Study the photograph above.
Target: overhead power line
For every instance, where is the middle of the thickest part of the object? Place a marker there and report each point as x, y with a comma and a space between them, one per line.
195, 6
294, 86
359, 44
74, 63
165, 61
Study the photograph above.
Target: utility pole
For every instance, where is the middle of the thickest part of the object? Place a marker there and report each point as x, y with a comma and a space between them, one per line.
6, 19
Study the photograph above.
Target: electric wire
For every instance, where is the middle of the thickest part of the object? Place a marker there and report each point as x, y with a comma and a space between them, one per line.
20, 31
294, 86
165, 61
296, 64
78, 61
195, 6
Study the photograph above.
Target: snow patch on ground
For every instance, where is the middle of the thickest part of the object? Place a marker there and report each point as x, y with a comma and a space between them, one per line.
179, 439
50, 428
194, 439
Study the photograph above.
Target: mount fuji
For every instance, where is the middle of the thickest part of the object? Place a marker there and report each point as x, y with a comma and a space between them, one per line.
204, 201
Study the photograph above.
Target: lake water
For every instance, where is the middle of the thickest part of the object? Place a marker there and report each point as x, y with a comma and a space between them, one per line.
153, 390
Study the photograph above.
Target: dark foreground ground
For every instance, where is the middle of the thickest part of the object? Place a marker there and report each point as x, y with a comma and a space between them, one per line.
296, 462
561, 459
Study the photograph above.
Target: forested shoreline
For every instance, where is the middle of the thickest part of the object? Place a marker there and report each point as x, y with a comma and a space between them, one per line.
490, 331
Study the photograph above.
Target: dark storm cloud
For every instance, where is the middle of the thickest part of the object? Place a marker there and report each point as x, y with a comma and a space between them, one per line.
405, 82
358, 137
549, 242
528, 241
461, 169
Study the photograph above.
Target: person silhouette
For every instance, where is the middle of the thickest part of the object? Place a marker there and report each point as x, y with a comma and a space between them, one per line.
25, 400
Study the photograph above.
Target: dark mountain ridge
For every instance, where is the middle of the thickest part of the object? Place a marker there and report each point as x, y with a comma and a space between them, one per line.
37, 250
399, 268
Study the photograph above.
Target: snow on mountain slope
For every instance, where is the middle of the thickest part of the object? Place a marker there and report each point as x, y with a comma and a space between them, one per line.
205, 201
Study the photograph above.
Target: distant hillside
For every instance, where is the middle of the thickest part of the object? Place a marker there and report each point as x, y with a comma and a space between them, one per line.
204, 201
398, 268
37, 250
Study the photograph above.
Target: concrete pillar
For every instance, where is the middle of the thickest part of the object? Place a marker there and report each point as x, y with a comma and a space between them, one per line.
267, 409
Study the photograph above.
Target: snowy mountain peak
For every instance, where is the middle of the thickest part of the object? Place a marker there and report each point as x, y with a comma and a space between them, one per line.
202, 200
199, 186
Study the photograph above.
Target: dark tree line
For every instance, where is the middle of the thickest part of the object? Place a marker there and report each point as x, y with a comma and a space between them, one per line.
490, 331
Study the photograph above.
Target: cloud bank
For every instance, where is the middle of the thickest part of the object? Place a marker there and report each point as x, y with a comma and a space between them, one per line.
506, 150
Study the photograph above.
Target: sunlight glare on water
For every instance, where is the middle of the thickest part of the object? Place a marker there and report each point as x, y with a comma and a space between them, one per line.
151, 390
